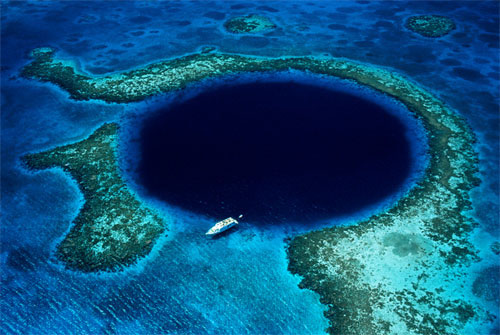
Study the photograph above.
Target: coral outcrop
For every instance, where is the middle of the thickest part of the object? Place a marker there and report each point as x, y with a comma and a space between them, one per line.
249, 24
430, 25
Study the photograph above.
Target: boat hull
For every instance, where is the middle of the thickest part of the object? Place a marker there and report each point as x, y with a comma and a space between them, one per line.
222, 226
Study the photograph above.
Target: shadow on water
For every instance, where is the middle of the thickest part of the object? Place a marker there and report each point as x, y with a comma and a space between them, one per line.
273, 151
224, 233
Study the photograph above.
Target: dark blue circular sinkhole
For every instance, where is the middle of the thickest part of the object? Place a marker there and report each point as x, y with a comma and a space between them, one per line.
275, 152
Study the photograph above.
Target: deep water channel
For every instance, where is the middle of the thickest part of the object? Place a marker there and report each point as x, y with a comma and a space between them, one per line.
280, 151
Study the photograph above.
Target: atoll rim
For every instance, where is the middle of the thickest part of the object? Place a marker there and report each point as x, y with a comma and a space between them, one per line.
400, 240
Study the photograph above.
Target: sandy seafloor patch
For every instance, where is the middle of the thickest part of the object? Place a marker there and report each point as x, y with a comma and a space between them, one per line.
186, 286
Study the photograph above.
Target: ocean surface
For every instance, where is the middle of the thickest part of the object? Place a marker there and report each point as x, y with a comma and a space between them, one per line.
276, 152
239, 283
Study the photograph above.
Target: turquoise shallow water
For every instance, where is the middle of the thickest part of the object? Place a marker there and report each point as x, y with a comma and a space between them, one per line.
239, 283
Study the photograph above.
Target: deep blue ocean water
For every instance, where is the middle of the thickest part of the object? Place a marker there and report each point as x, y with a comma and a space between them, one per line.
185, 286
276, 152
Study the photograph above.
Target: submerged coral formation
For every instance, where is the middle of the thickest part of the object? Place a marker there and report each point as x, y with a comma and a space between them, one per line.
430, 25
399, 272
487, 285
249, 24
495, 247
113, 229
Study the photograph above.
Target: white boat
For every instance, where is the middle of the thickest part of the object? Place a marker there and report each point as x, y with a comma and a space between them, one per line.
223, 225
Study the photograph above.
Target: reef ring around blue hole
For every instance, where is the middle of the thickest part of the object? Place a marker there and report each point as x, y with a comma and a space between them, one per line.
276, 151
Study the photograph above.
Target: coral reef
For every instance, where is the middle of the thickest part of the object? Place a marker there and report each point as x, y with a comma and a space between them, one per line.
249, 24
399, 272
113, 229
402, 271
430, 25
